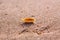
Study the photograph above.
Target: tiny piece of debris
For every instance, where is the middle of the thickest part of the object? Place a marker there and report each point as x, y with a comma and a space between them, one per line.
32, 16
25, 30
6, 14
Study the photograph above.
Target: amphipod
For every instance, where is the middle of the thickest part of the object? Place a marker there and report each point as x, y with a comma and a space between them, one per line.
28, 20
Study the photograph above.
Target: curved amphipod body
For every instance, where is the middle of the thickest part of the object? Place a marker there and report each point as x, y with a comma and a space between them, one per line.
28, 20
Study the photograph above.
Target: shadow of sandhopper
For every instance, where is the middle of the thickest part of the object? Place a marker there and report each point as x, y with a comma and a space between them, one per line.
27, 24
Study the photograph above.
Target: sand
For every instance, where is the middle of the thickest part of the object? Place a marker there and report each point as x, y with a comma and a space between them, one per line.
46, 13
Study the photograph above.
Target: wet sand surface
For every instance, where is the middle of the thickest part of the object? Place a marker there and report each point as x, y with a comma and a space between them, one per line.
46, 13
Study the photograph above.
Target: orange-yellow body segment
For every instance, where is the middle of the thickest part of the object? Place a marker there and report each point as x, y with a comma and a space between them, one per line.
28, 20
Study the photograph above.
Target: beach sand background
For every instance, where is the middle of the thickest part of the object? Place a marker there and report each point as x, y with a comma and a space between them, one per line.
46, 13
